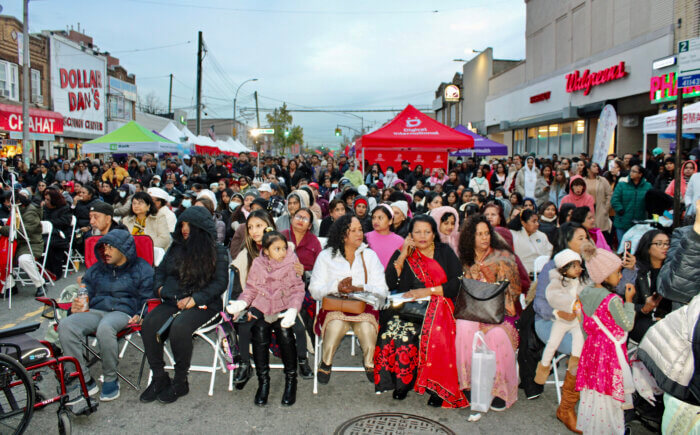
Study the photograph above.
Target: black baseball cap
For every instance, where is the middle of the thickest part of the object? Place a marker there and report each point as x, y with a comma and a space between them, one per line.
102, 207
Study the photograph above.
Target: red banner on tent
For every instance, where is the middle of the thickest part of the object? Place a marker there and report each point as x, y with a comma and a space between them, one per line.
390, 157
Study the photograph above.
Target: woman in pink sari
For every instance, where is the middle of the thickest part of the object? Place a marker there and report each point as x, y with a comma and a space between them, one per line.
486, 257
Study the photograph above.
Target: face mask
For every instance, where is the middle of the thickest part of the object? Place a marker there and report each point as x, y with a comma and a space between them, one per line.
233, 205
122, 194
389, 172
186, 203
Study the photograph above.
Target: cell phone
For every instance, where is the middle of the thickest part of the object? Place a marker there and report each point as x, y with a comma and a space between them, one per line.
628, 248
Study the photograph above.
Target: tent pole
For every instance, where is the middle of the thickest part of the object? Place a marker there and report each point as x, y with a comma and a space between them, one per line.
644, 150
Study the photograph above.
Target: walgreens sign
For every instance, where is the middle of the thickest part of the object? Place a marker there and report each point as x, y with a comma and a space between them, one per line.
577, 81
78, 87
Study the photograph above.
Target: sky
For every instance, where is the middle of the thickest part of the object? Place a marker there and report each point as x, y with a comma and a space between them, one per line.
311, 54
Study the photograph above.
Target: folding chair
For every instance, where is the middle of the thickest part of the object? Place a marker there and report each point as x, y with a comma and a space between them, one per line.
218, 360
72, 254
21, 276
318, 342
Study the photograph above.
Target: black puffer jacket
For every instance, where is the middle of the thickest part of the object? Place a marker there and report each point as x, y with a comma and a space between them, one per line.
60, 218
122, 288
680, 274
82, 212
168, 275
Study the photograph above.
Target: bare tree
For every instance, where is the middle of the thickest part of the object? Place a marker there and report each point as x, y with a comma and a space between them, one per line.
151, 104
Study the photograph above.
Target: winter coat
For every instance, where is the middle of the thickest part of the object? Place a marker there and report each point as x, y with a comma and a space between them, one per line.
478, 185
60, 218
562, 292
579, 200
330, 269
541, 186
670, 350
64, 175
529, 247
629, 202
306, 249
168, 275
156, 226
122, 288
680, 274
557, 193
273, 286
82, 212
692, 193
115, 175
31, 217
84, 177
599, 189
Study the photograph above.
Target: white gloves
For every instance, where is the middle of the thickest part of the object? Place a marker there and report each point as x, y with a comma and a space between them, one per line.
288, 317
235, 307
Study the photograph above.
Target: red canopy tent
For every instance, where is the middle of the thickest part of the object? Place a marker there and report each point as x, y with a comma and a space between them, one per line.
411, 136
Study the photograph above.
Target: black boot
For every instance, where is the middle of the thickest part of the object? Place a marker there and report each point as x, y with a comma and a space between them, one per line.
288, 349
157, 386
261, 356
304, 370
242, 374
178, 388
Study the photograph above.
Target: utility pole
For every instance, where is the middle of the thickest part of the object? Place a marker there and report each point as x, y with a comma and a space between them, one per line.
257, 138
25, 84
200, 43
170, 95
677, 170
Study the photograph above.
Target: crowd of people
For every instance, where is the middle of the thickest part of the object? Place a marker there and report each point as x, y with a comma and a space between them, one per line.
308, 231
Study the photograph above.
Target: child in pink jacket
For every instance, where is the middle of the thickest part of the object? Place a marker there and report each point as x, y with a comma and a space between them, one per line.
274, 292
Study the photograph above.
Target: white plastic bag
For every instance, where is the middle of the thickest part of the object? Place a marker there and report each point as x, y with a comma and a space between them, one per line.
483, 373
644, 382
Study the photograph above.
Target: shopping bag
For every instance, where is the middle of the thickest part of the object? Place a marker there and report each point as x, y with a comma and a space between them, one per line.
483, 373
644, 382
7, 249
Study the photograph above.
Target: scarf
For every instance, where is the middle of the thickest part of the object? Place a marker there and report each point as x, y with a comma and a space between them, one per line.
437, 357
530, 178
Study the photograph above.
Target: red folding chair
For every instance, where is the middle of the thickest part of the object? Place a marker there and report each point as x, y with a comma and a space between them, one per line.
144, 249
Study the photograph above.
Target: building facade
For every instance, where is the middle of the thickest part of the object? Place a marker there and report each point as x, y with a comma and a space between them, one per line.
580, 56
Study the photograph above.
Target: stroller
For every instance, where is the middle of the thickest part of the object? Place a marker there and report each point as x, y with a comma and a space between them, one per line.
21, 358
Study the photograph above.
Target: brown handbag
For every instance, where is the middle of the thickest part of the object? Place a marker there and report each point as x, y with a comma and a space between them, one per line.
345, 303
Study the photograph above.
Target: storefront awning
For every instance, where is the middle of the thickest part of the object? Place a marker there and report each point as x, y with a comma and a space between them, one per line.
40, 121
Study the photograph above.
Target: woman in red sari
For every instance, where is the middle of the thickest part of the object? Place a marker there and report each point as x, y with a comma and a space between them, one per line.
419, 353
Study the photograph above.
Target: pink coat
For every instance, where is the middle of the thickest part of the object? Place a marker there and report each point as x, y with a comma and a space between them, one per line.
579, 200
272, 286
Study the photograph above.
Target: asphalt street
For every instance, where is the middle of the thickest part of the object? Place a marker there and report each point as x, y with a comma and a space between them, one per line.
348, 395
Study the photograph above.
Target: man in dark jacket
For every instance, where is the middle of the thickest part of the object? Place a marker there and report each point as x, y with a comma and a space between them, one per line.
102, 219
118, 285
242, 167
680, 274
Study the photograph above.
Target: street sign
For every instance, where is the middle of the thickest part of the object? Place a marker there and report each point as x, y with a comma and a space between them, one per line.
689, 63
259, 131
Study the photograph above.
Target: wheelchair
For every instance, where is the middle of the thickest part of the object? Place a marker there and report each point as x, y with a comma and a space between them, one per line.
21, 360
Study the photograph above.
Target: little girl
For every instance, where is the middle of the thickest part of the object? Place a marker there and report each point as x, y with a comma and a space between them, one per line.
562, 294
274, 293
604, 376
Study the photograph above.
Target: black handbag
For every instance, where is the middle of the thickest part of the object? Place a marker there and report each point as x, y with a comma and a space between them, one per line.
481, 301
413, 311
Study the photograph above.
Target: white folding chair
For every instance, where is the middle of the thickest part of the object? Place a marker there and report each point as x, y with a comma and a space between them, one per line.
21, 276
72, 254
318, 342
557, 383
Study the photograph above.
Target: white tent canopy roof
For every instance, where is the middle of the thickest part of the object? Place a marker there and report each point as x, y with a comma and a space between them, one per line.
171, 132
666, 122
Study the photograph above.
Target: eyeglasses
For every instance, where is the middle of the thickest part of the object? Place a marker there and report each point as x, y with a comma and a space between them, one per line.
662, 244
302, 219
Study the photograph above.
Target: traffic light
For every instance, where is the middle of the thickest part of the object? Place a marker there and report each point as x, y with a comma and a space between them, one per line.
337, 131
286, 133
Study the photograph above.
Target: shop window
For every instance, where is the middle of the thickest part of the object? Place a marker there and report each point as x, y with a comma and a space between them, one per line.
553, 147
565, 138
36, 86
542, 136
579, 136
531, 145
519, 141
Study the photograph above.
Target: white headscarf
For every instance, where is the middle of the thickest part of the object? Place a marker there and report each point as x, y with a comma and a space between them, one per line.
530, 180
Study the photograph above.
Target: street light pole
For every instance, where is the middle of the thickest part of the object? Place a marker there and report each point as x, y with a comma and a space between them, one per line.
234, 105
25, 83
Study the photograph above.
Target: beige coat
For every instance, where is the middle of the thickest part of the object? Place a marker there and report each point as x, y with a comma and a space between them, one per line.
156, 228
600, 190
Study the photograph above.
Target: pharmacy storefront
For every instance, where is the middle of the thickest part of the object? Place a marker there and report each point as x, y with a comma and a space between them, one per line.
558, 113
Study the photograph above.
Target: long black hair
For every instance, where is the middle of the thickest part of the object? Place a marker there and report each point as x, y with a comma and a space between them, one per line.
337, 233
145, 197
642, 253
467, 239
564, 235
195, 257
428, 220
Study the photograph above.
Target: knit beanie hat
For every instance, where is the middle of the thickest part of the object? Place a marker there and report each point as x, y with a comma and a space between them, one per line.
401, 205
565, 257
600, 263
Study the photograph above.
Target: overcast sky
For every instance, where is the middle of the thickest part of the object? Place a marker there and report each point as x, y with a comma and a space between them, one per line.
315, 54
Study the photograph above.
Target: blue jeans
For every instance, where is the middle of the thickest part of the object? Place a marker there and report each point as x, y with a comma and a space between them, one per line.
544, 327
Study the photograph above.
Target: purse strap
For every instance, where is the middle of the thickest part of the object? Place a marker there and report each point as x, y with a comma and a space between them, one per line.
364, 266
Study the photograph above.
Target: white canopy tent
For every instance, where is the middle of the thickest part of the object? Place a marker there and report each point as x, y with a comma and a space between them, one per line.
666, 123
173, 133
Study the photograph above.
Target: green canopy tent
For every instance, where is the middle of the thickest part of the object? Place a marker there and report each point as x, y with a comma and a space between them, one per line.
131, 138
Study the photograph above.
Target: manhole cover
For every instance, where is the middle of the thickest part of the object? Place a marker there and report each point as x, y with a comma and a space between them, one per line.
391, 423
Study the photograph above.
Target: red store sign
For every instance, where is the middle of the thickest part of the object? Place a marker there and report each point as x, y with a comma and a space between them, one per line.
40, 121
586, 81
540, 97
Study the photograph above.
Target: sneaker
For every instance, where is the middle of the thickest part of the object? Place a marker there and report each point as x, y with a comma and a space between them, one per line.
110, 391
75, 393
498, 404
